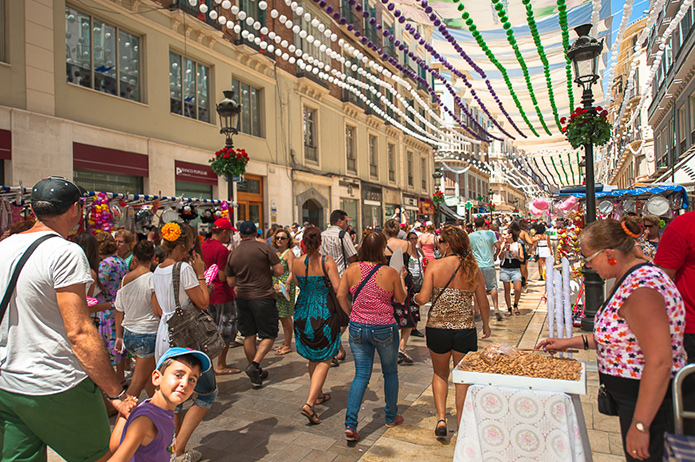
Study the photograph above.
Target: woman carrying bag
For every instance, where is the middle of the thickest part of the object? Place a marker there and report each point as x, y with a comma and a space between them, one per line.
178, 243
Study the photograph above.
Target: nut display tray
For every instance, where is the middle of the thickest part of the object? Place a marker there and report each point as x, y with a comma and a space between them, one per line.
577, 387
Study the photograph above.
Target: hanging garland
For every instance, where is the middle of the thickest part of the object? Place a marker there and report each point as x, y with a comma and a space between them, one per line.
499, 8
452, 40
569, 162
559, 177
562, 19
530, 19
491, 56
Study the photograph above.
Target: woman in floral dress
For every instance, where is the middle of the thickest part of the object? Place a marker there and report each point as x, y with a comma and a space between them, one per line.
112, 269
283, 241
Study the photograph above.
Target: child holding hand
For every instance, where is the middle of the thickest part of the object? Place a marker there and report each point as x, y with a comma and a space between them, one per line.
148, 433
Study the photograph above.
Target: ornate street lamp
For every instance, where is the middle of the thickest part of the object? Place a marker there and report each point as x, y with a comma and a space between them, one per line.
585, 53
229, 111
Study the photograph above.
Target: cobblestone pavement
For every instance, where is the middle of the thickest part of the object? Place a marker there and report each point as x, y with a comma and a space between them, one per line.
247, 424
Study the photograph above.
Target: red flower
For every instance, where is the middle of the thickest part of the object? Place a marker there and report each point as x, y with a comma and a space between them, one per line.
604, 113
226, 156
599, 109
563, 120
238, 155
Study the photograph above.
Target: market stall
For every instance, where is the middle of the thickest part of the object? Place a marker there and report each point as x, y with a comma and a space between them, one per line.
535, 415
105, 211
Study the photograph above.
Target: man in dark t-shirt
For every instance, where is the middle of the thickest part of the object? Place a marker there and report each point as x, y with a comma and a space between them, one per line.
250, 269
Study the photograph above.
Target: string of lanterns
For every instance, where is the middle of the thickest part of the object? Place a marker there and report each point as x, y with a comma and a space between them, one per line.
531, 20
502, 14
491, 56
627, 10
412, 74
562, 20
242, 15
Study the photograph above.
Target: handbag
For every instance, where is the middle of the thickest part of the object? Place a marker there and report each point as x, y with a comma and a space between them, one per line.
191, 327
417, 282
606, 403
332, 300
17, 269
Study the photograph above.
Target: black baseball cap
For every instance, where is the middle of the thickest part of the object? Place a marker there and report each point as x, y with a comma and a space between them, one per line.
59, 191
248, 227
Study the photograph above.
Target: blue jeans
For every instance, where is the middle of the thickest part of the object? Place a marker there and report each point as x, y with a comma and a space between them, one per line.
364, 339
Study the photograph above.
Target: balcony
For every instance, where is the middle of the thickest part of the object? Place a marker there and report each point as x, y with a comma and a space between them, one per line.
194, 11
373, 35
311, 76
350, 97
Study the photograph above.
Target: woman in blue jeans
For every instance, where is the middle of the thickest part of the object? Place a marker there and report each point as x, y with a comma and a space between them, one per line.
372, 326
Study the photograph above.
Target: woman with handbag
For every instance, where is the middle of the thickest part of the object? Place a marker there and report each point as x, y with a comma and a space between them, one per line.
178, 242
456, 283
283, 241
372, 326
316, 317
638, 337
407, 313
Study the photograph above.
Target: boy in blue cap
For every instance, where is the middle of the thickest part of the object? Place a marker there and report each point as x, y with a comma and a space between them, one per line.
148, 433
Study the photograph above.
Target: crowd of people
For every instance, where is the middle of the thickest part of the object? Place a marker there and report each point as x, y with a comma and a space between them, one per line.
82, 311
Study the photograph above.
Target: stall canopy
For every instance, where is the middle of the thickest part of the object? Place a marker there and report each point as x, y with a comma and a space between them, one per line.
450, 213
637, 192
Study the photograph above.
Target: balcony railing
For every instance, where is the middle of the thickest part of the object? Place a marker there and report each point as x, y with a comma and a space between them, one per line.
373, 35
350, 97
194, 11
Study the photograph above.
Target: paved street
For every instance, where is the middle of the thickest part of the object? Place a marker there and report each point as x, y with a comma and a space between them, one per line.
248, 424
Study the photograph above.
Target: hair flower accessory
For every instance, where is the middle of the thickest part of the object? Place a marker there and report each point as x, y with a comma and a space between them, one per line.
171, 231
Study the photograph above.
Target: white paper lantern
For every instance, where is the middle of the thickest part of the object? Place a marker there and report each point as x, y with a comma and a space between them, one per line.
291, 48
321, 27
237, 28
278, 52
226, 4
241, 15
271, 48
291, 60
262, 5
244, 33
257, 26
299, 11
203, 8
289, 24
296, 29
285, 56
230, 24
264, 31
315, 22
274, 14
222, 20
310, 38
235, 9
302, 33
334, 37
263, 45
257, 41
284, 44
282, 19
213, 14
249, 21
307, 17
322, 48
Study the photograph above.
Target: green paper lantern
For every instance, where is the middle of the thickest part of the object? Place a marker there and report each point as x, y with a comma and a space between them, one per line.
506, 25
472, 28
510, 32
499, 7
465, 15
460, 7
469, 21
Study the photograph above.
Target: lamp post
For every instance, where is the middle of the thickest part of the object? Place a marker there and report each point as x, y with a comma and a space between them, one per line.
437, 175
490, 193
584, 54
228, 111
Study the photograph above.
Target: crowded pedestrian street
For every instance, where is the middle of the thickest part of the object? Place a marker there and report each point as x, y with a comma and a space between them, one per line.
347, 230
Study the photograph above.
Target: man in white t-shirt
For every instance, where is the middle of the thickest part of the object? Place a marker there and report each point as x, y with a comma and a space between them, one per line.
51, 357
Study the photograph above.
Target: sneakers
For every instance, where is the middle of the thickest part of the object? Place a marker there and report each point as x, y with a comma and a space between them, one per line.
396, 422
256, 375
404, 358
189, 456
264, 374
417, 333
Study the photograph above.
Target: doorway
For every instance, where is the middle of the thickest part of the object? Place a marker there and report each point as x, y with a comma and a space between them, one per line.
311, 212
250, 200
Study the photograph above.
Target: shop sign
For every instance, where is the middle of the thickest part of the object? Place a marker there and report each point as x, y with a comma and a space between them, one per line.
425, 206
195, 173
371, 194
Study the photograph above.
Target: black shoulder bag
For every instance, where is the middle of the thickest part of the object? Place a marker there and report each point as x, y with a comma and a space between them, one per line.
191, 327
15, 274
332, 300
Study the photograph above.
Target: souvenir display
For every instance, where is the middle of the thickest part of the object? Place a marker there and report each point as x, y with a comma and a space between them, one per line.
658, 205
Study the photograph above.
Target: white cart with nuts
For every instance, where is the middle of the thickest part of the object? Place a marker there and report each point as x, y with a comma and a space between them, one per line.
519, 418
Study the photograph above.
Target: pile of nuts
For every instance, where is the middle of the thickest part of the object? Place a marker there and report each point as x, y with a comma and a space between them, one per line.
492, 361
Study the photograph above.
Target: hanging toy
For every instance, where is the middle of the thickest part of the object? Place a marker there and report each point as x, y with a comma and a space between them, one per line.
100, 217
224, 208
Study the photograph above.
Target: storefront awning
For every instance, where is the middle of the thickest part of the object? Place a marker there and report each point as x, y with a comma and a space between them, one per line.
450, 213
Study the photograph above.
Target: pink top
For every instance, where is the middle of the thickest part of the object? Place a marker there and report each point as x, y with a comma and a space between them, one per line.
426, 242
618, 352
373, 304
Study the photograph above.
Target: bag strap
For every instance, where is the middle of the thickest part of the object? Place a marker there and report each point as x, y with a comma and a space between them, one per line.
447, 284
17, 269
341, 236
364, 281
326, 279
176, 277
618, 283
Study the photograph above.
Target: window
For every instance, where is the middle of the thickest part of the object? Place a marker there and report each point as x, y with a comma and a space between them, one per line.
99, 55
2, 30
373, 157
189, 88
310, 153
319, 38
423, 171
111, 182
410, 169
350, 148
392, 162
682, 126
250, 100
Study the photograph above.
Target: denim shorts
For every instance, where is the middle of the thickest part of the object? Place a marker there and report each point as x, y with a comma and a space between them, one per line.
139, 345
490, 277
510, 274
